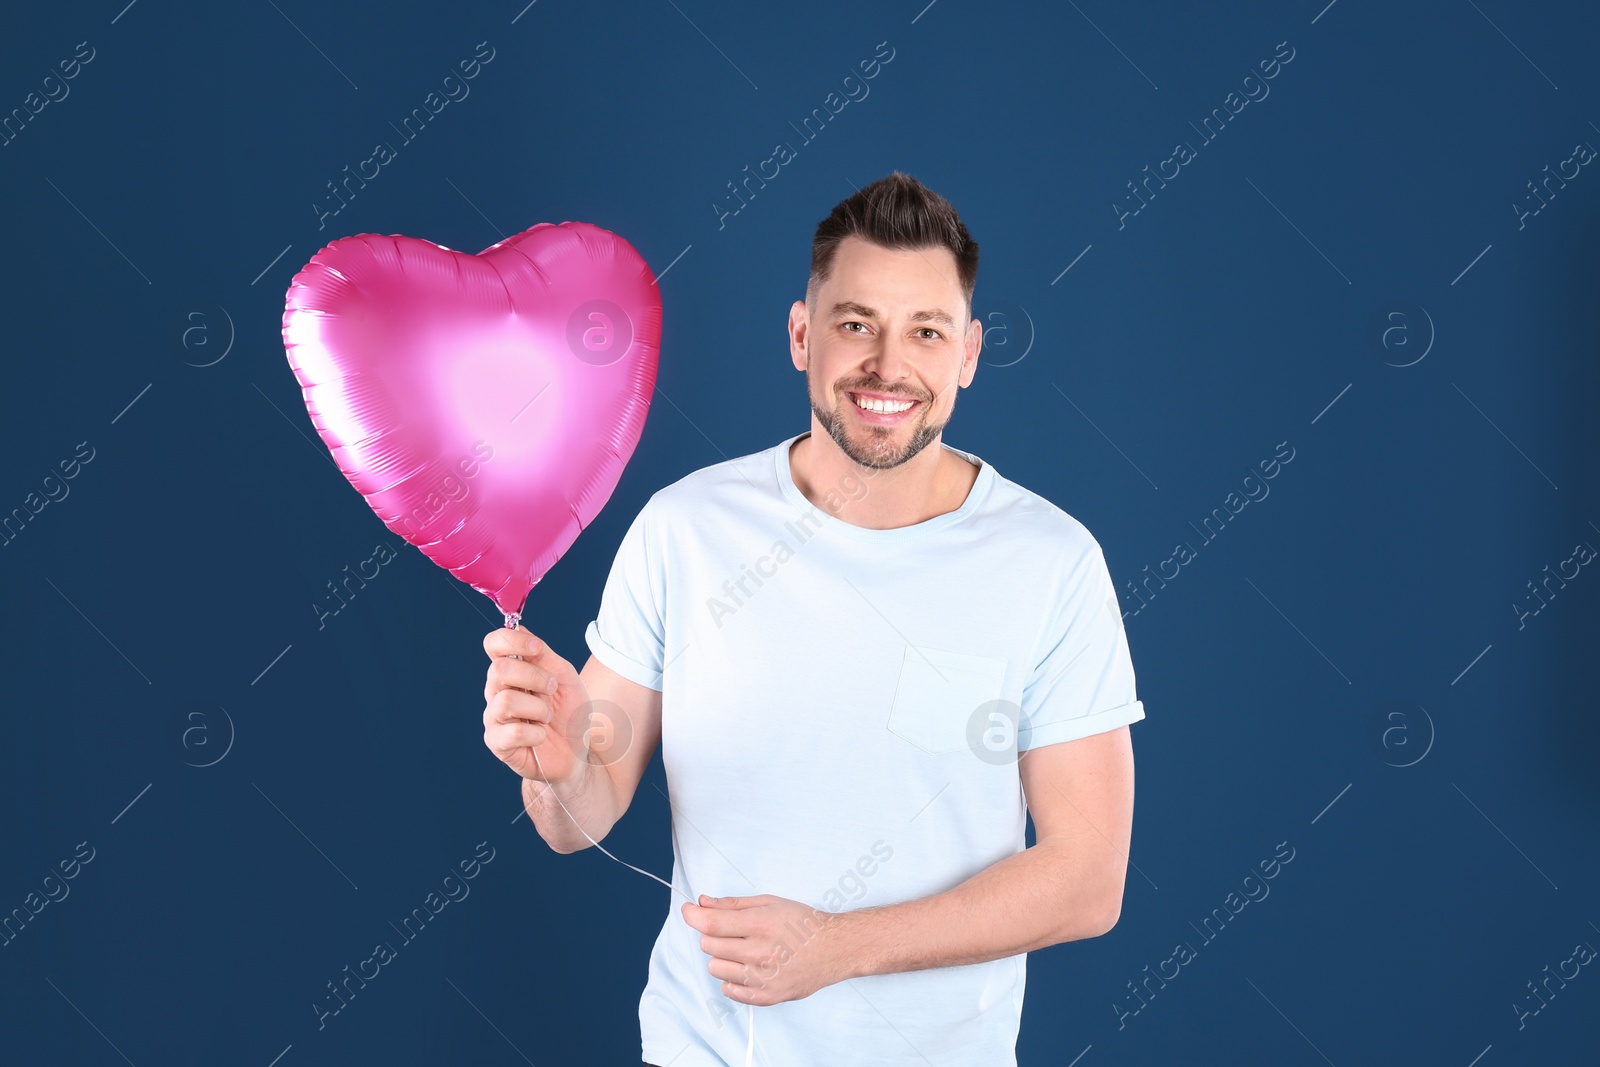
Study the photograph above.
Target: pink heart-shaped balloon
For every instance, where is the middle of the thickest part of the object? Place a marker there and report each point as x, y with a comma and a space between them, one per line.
484, 405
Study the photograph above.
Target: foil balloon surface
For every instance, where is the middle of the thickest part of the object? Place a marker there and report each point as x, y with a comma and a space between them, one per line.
483, 405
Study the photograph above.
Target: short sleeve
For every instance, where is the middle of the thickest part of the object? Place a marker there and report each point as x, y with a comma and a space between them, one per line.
1082, 683
629, 633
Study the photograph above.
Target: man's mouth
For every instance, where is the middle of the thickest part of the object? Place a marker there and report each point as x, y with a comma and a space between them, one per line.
883, 409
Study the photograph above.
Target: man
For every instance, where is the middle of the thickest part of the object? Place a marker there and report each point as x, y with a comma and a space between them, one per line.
867, 657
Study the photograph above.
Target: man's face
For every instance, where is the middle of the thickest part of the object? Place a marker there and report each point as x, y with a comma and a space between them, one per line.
887, 328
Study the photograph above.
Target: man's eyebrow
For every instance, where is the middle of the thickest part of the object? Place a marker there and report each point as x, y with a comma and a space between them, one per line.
850, 307
935, 315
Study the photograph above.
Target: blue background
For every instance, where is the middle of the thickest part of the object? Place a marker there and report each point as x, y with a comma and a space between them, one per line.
1342, 668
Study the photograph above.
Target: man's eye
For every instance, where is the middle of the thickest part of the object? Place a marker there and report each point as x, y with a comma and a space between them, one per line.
850, 324
929, 329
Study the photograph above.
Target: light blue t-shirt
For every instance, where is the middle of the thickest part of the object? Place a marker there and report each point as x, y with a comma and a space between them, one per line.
840, 716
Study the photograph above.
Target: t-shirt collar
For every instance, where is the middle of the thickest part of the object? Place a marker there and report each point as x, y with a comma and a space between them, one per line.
791, 492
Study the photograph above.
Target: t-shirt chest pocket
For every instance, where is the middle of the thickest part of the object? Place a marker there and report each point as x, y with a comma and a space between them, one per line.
938, 693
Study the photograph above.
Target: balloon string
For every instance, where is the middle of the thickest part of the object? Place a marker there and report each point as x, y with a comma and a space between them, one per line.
513, 618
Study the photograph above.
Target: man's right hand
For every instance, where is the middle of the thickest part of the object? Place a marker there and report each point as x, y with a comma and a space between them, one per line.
529, 703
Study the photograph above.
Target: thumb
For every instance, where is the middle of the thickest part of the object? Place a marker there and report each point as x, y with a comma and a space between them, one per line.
550, 659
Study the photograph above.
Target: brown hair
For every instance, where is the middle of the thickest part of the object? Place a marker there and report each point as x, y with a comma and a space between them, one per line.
896, 212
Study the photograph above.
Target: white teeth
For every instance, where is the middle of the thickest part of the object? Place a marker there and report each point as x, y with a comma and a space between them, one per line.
883, 407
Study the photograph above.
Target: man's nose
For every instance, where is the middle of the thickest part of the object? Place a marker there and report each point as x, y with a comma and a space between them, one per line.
890, 361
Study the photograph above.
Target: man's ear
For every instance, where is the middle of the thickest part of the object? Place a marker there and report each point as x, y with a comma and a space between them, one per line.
799, 322
971, 349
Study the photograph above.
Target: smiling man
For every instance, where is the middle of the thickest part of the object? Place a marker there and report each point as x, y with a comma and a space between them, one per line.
921, 654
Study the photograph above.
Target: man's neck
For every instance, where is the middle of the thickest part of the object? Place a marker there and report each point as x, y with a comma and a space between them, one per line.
934, 482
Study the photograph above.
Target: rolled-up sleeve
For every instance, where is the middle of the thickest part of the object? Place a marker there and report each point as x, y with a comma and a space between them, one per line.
1082, 682
629, 633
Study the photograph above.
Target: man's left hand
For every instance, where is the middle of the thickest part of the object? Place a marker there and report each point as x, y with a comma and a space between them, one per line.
768, 949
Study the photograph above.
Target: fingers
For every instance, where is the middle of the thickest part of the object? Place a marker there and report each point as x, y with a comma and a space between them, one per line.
729, 971
494, 641
736, 950
505, 672
508, 737
714, 923
742, 902
517, 692
512, 706
519, 643
507, 642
